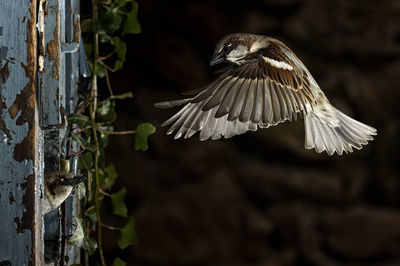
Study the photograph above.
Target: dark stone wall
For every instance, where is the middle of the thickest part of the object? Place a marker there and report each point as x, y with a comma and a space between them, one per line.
261, 198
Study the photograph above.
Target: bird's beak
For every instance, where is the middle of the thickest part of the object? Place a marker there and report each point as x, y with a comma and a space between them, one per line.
218, 58
76, 180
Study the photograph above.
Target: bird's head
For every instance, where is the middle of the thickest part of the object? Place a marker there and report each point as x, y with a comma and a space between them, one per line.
71, 180
62, 181
233, 48
58, 186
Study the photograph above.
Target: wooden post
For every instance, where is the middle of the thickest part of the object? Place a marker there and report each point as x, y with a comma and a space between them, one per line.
21, 162
39, 71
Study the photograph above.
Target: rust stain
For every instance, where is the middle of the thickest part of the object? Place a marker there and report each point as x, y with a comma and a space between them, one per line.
41, 42
17, 221
26, 222
25, 101
77, 30
43, 12
4, 73
11, 198
31, 218
25, 148
45, 9
53, 48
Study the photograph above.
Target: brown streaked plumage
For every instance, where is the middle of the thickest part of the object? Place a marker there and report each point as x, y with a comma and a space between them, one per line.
266, 84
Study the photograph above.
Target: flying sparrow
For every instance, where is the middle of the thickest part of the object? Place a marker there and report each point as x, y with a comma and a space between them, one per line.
265, 84
57, 187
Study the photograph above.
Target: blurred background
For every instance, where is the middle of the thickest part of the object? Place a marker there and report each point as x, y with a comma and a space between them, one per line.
261, 198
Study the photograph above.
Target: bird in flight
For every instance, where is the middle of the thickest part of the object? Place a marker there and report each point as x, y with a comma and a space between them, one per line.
265, 84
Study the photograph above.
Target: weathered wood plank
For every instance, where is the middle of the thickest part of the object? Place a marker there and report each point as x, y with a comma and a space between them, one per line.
21, 167
51, 84
72, 74
58, 85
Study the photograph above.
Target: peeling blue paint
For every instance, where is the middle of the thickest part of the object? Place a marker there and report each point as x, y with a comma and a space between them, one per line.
3, 52
20, 206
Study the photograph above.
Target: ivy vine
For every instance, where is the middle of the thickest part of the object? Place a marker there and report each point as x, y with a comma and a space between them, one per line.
93, 123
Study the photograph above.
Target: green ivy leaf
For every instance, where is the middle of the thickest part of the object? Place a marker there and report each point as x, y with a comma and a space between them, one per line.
118, 203
107, 127
86, 161
109, 21
91, 214
131, 24
118, 65
118, 262
81, 190
79, 139
102, 177
77, 238
106, 111
86, 25
111, 176
89, 244
88, 49
128, 234
91, 147
80, 240
77, 118
81, 120
143, 131
100, 70
120, 47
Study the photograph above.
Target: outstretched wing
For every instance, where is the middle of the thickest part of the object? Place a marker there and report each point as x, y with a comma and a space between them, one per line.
271, 88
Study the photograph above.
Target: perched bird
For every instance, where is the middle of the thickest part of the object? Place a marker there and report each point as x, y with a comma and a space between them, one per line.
57, 187
264, 84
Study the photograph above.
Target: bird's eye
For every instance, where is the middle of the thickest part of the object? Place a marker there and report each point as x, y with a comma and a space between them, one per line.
228, 48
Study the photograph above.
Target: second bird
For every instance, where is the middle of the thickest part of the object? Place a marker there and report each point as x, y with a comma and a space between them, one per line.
265, 84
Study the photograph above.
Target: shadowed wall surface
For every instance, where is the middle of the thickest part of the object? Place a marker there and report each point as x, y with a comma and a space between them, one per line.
261, 198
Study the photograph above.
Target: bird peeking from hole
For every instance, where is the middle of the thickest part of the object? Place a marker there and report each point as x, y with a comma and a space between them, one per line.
265, 84
57, 187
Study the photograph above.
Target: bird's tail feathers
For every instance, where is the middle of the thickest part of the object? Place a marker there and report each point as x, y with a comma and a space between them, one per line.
343, 137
